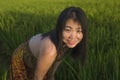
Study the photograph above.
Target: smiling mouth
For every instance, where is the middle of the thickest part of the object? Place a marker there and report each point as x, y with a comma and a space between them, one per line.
71, 43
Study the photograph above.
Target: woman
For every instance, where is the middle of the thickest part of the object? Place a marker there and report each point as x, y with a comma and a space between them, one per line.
38, 58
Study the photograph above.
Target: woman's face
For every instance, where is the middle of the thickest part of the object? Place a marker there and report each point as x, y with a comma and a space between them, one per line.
72, 33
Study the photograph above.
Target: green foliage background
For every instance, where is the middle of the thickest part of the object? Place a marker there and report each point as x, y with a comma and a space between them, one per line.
21, 19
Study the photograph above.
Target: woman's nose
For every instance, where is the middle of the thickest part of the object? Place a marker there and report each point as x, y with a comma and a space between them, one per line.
72, 35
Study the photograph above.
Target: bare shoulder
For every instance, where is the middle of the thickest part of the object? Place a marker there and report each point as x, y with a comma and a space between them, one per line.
47, 47
46, 57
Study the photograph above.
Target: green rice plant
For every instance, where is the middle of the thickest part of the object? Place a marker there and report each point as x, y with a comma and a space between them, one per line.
19, 20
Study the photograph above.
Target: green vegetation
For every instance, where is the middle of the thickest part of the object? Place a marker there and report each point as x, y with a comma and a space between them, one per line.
21, 19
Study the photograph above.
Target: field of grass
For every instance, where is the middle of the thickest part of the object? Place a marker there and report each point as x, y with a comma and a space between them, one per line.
21, 19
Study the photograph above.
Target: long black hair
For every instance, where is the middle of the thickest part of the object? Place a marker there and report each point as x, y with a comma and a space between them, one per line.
77, 14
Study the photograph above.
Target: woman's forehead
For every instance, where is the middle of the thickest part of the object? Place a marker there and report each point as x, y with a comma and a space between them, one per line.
71, 23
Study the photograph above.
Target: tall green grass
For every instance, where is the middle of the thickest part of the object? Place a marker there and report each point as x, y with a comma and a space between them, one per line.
19, 20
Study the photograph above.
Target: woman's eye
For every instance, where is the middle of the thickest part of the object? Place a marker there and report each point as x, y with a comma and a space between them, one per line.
79, 31
68, 30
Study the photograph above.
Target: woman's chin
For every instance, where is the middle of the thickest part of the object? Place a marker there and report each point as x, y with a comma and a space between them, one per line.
71, 46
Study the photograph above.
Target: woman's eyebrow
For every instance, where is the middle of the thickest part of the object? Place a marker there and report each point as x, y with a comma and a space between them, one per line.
71, 27
68, 27
79, 28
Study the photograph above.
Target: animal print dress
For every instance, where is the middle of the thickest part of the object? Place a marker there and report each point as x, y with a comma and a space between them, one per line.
23, 63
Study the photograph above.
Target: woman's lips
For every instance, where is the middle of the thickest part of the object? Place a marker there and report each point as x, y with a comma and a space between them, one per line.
71, 43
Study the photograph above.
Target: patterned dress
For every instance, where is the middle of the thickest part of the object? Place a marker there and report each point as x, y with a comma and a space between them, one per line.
23, 64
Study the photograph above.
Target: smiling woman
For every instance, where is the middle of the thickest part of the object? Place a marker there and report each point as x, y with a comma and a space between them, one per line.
72, 34
39, 57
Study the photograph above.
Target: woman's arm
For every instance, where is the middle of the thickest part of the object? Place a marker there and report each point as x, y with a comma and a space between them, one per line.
47, 55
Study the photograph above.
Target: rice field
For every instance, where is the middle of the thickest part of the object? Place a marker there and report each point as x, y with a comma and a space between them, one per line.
21, 19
